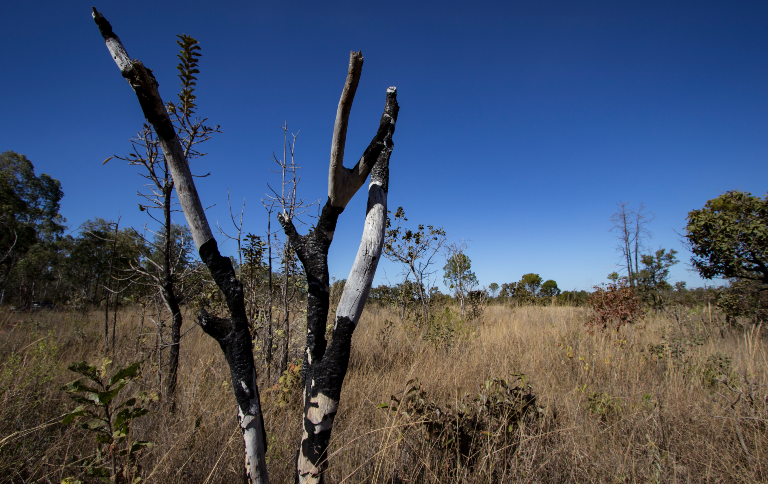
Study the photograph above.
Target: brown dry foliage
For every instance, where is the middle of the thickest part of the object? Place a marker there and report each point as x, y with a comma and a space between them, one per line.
615, 305
608, 410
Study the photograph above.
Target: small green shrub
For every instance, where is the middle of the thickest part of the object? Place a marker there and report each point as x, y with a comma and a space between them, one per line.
287, 390
603, 405
109, 423
445, 328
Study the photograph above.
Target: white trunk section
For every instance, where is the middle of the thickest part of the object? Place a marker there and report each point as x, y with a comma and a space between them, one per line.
361, 277
186, 191
320, 407
251, 425
116, 49
182, 177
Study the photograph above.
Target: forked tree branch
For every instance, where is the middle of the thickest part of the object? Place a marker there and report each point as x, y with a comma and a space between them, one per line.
343, 182
325, 370
337, 174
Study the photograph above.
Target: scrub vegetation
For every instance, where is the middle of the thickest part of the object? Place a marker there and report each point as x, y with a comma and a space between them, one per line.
110, 371
520, 394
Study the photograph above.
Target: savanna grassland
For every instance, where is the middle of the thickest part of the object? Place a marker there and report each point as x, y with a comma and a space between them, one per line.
526, 394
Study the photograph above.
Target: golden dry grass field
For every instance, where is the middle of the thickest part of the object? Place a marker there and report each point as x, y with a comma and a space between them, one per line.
674, 400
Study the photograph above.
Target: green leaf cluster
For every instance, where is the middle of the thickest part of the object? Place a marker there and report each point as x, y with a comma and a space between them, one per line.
188, 57
110, 423
406, 245
729, 237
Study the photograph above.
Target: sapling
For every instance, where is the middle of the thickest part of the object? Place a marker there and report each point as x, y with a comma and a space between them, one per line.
109, 423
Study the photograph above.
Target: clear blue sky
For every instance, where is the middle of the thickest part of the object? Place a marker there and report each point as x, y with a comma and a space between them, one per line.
521, 123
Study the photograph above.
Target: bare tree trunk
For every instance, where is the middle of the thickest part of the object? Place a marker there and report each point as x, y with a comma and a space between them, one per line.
268, 339
107, 293
6, 276
159, 345
286, 315
114, 315
232, 334
167, 290
420, 286
325, 366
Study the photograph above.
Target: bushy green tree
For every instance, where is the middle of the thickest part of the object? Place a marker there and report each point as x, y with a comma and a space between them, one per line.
729, 237
458, 275
532, 283
549, 289
416, 249
652, 280
29, 210
573, 298
92, 253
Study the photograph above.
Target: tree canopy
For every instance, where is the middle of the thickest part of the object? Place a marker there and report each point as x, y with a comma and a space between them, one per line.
29, 209
457, 273
532, 282
549, 288
729, 237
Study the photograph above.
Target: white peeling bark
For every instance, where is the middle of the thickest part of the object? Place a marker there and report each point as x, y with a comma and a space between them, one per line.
252, 427
321, 408
360, 278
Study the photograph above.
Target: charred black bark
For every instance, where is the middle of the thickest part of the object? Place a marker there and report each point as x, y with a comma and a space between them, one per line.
169, 297
233, 335
312, 250
325, 367
328, 375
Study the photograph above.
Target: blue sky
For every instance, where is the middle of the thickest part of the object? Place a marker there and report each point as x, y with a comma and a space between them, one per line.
522, 124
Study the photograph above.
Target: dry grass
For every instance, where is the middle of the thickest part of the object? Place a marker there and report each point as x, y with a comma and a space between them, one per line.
608, 409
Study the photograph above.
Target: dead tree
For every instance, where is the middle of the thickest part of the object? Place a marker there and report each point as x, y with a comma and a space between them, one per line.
631, 228
147, 155
325, 366
292, 207
232, 334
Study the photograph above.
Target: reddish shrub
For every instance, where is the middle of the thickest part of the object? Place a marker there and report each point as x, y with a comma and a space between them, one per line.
614, 305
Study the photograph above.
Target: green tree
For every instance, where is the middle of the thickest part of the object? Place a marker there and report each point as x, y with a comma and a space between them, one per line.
458, 275
573, 298
549, 289
29, 211
416, 249
652, 279
729, 237
655, 271
493, 287
520, 293
532, 283
90, 255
